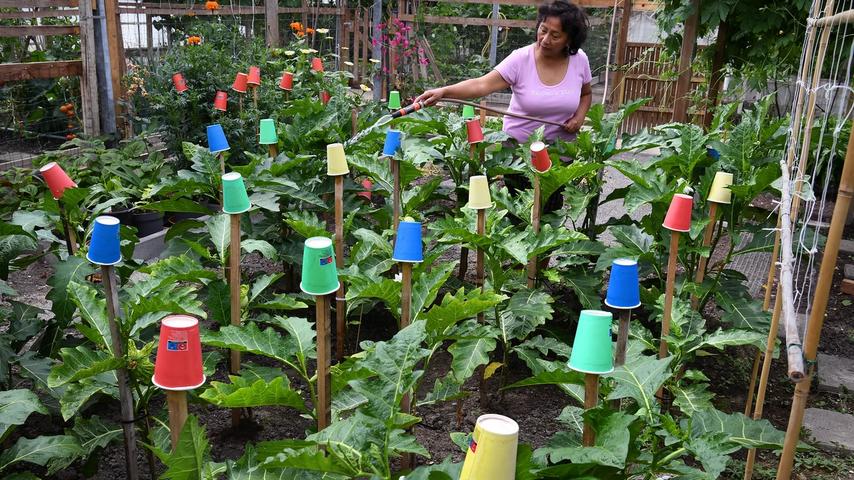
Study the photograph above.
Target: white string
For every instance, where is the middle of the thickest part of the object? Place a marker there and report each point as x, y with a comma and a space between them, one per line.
608, 56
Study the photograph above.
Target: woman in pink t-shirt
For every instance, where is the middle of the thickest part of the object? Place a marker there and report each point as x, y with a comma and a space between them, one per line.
550, 78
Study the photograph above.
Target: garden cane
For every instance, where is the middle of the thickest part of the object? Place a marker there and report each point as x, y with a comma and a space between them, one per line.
678, 221
540, 163
475, 135
336, 166
719, 194
480, 200
104, 250
320, 278
58, 181
623, 295
591, 355
408, 250
241, 82
235, 202
390, 147
217, 144
178, 367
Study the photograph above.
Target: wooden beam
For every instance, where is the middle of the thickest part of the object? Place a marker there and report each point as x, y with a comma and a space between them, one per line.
89, 75
37, 3
50, 13
471, 21
683, 83
38, 30
638, 5
116, 52
617, 84
10, 72
271, 20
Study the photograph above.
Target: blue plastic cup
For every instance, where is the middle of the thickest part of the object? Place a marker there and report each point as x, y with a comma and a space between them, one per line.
216, 139
713, 153
104, 246
623, 286
392, 142
408, 247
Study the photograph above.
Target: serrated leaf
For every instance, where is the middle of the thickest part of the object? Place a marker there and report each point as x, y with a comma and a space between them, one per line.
249, 338
726, 338
81, 362
190, 459
93, 309
77, 394
93, 433
738, 428
72, 270
261, 246
15, 407
692, 398
459, 306
527, 310
468, 355
219, 302
640, 380
220, 233
744, 313
243, 392
54, 452
426, 286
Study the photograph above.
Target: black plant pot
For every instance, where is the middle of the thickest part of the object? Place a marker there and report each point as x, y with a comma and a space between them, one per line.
147, 223
124, 215
171, 218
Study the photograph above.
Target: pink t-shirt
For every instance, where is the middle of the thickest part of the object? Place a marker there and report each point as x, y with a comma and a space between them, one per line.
532, 97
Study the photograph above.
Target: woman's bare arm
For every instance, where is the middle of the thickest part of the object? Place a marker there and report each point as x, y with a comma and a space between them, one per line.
471, 88
573, 125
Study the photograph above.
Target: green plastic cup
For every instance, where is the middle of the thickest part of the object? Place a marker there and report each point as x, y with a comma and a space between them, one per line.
591, 350
319, 275
268, 132
234, 197
394, 100
468, 112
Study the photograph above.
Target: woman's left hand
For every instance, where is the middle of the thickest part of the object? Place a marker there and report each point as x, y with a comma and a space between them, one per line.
573, 125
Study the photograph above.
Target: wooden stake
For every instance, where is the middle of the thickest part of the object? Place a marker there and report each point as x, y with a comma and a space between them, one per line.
324, 380
479, 266
407, 460
221, 173
176, 401
668, 292
240, 99
591, 398
274, 152
707, 241
340, 303
108, 275
70, 238
255, 97
395, 170
535, 224
819, 307
354, 121
623, 337
234, 292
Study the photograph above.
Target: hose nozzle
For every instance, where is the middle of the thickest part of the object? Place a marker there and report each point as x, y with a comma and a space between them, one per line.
406, 111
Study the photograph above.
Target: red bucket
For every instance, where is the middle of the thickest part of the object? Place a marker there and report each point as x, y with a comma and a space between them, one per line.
287, 81
254, 76
179, 82
474, 131
240, 82
221, 101
56, 178
317, 64
179, 354
678, 216
325, 97
540, 160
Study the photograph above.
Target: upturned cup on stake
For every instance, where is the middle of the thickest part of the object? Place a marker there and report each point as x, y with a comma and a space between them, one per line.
408, 248
216, 139
317, 64
178, 367
368, 186
540, 163
591, 355
325, 97
394, 100
235, 198
336, 160
468, 112
320, 278
540, 160
56, 178
179, 82
221, 101
287, 81
241, 81
491, 454
392, 142
105, 250
719, 193
475, 133
624, 295
479, 196
336, 166
254, 77
267, 135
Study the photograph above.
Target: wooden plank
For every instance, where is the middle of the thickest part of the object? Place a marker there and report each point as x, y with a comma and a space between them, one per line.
38, 30
10, 72
620, 60
683, 83
117, 53
89, 75
471, 21
271, 19
50, 13
37, 3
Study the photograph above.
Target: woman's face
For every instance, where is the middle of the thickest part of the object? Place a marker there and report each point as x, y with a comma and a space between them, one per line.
551, 37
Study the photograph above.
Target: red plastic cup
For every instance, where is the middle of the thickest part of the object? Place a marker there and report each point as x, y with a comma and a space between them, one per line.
240, 82
325, 97
56, 178
221, 101
540, 160
287, 81
179, 354
317, 64
254, 77
368, 186
474, 131
179, 82
678, 216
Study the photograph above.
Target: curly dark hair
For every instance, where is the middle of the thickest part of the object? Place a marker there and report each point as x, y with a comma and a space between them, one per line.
572, 19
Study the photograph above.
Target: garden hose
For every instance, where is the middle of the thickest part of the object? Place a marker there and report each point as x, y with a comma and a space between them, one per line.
419, 105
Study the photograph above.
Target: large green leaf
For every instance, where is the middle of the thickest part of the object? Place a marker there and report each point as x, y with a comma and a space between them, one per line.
306, 224
93, 309
219, 302
190, 459
15, 407
93, 433
249, 338
426, 285
527, 310
261, 246
72, 270
220, 233
560, 175
459, 306
744, 313
14, 241
78, 394
611, 447
585, 286
692, 398
54, 452
301, 338
81, 362
738, 428
712, 450
178, 268
469, 354
640, 380
726, 338
243, 392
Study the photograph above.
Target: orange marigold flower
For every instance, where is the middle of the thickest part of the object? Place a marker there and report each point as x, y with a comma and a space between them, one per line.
309, 31
212, 5
296, 26
300, 33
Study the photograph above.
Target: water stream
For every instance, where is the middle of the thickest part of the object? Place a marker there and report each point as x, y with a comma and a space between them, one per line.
385, 119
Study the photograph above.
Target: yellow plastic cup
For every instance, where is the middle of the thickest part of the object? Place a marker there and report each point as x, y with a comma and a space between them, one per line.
492, 449
479, 197
336, 161
720, 192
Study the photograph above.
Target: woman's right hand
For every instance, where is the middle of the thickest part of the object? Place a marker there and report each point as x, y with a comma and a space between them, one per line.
430, 97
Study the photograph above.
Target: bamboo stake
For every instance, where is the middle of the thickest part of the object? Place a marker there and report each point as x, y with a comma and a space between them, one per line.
591, 398
819, 307
479, 265
536, 211
623, 336
70, 237
324, 380
395, 170
668, 292
255, 97
234, 293
176, 401
340, 303
407, 460
274, 152
108, 275
707, 241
